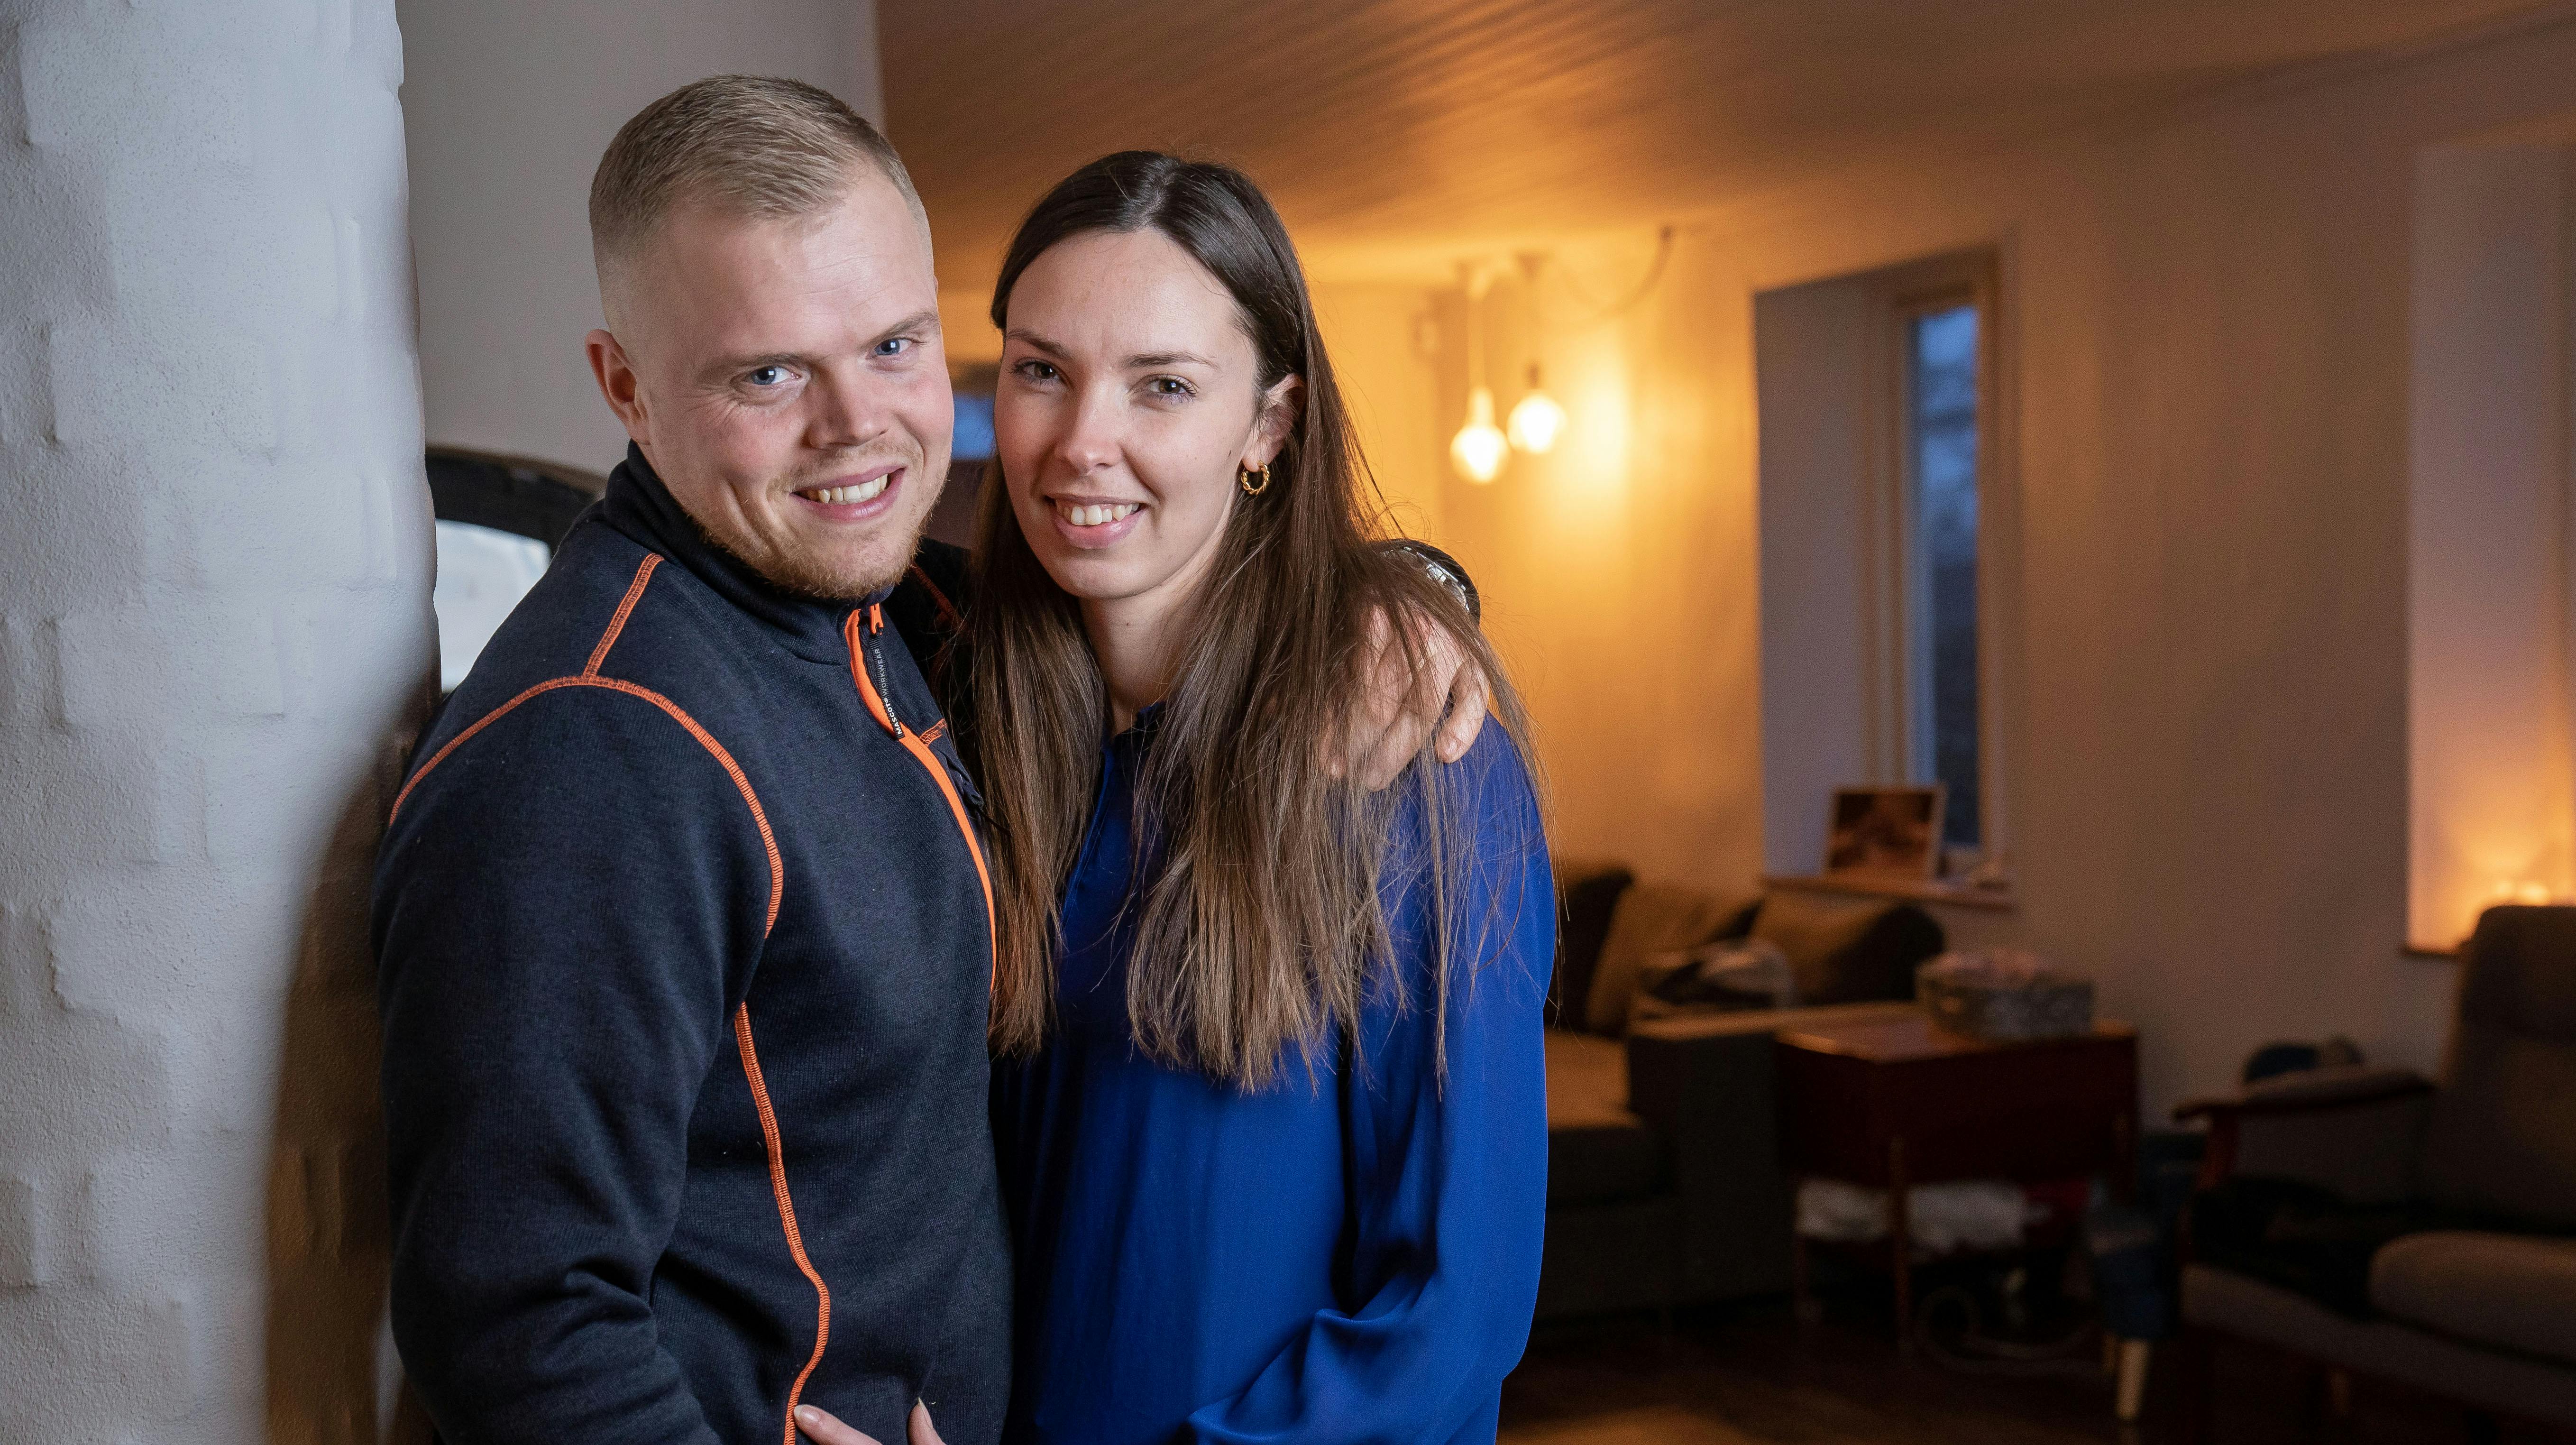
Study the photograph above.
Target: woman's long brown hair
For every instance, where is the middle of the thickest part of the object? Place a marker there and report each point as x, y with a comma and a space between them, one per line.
1259, 932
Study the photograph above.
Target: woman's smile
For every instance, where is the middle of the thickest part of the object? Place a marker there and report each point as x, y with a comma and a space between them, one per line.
1093, 522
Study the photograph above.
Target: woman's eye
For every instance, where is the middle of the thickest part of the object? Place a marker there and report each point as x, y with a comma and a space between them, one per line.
1038, 371
1169, 386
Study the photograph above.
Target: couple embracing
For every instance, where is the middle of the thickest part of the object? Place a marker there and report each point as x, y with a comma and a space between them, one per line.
1087, 995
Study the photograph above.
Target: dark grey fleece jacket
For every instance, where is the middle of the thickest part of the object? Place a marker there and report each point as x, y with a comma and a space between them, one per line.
684, 943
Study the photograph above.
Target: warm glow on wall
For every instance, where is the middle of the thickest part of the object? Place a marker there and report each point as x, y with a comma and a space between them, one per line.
1599, 421
2512, 859
1477, 450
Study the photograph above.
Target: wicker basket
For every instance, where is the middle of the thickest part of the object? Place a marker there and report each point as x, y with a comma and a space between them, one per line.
2004, 994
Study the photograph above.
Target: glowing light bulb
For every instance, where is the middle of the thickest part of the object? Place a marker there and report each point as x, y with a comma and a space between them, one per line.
1537, 421
1477, 450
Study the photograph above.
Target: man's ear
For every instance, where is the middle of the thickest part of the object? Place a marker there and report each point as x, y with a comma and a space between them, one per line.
1279, 407
618, 383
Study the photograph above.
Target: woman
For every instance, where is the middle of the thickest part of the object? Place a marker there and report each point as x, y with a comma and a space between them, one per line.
1270, 1099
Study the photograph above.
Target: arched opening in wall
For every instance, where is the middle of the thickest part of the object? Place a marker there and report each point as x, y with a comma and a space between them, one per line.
2491, 731
500, 519
1882, 509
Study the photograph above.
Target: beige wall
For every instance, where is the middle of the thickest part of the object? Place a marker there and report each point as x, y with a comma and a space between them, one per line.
2204, 669
508, 106
1383, 339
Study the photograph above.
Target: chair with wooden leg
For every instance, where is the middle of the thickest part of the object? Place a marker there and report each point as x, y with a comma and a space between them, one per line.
2131, 1246
2129, 1282
2378, 1224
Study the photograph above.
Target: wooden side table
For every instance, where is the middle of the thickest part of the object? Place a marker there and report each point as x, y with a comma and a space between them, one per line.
1898, 1102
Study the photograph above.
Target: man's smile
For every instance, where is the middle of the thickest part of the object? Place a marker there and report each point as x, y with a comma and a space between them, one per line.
858, 497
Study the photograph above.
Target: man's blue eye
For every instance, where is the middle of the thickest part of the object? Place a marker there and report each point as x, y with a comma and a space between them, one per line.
893, 345
767, 375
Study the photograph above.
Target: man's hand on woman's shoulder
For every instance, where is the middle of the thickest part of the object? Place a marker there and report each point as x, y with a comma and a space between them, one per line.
1405, 702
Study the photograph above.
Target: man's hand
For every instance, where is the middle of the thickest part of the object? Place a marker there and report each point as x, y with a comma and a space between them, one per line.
1403, 706
821, 1428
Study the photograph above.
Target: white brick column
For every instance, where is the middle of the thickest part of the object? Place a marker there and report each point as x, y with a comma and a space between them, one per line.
214, 621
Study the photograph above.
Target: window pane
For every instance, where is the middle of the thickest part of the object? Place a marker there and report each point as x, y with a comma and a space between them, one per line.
1943, 407
482, 574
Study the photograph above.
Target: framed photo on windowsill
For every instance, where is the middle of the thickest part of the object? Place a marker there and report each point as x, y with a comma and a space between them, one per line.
1885, 832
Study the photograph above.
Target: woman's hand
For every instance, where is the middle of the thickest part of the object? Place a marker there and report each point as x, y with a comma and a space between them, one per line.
1403, 705
822, 1428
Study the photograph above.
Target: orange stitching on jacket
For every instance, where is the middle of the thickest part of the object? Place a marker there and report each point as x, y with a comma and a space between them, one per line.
617, 624
913, 744
733, 770
786, 1210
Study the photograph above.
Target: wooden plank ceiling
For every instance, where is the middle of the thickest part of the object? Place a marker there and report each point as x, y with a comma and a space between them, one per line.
1396, 128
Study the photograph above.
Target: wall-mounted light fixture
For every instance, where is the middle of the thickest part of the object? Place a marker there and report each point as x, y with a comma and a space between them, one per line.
1537, 420
1478, 449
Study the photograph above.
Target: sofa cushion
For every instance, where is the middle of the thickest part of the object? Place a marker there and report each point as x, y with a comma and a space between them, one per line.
2236, 1304
2511, 1291
1847, 950
1587, 893
2502, 1136
2299, 1236
1653, 918
1597, 1151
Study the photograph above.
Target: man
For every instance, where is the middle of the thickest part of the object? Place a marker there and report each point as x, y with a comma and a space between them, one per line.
683, 929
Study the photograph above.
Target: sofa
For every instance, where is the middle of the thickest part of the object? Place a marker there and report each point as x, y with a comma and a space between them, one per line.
2378, 1223
1664, 1177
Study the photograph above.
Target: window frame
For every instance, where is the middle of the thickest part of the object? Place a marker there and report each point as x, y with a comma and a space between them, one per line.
1900, 615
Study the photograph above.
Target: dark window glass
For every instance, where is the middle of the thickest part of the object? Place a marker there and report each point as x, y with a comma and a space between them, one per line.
974, 427
1942, 436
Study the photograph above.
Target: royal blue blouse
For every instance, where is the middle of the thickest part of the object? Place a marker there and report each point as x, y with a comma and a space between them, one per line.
1345, 1256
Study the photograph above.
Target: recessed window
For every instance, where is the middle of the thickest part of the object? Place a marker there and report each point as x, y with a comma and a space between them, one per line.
1879, 582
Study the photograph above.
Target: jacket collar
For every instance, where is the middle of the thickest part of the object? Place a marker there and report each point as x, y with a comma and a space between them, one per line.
638, 505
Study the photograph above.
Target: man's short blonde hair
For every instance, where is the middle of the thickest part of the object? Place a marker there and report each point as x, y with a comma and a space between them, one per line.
752, 145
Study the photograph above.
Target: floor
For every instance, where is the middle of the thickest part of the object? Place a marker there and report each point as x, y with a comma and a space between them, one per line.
1750, 1376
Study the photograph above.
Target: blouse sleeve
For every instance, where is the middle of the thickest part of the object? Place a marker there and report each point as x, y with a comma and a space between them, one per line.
1449, 1167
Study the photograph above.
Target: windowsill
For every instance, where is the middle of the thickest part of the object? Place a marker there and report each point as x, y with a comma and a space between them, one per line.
1917, 890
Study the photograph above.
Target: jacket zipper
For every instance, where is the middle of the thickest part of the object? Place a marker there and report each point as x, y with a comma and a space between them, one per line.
876, 659
868, 672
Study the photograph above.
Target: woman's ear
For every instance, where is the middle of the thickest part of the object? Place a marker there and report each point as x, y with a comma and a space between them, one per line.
1279, 408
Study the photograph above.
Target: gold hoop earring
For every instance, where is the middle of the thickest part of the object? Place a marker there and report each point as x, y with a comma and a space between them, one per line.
1252, 488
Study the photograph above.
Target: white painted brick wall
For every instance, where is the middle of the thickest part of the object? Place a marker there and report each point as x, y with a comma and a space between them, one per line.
214, 625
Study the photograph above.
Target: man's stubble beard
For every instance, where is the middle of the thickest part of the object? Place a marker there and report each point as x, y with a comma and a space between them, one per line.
799, 576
